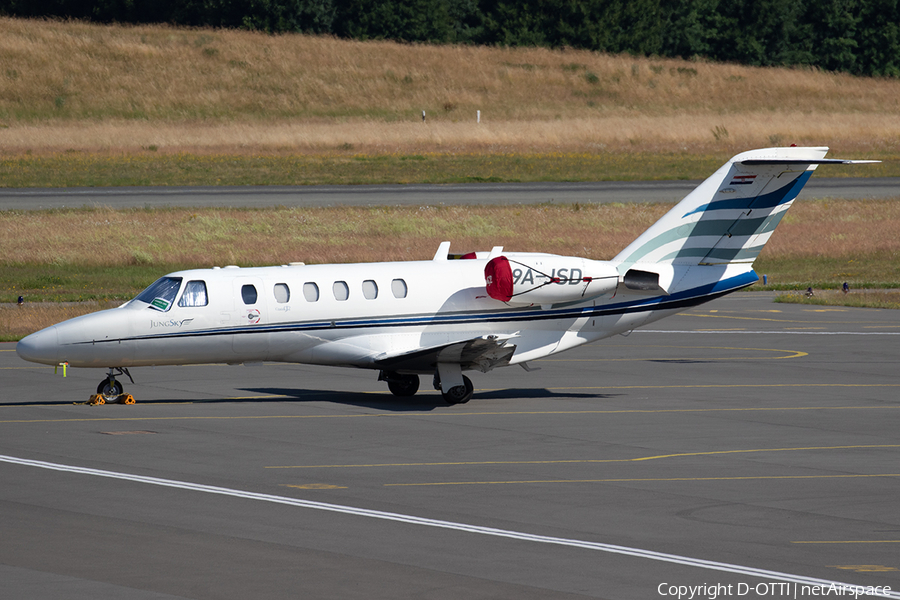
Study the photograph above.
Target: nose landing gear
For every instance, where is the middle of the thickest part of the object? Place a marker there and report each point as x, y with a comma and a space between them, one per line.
111, 389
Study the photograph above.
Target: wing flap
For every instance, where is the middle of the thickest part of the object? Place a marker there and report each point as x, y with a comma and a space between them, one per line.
481, 354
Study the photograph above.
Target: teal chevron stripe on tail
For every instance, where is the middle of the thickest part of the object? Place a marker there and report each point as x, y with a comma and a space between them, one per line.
729, 217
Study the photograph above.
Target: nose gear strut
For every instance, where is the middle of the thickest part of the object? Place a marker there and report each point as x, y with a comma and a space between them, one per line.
111, 390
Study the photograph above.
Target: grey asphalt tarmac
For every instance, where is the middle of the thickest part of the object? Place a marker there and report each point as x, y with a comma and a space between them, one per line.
365, 195
739, 436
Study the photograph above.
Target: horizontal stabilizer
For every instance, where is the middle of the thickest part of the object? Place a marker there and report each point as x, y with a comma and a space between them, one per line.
804, 161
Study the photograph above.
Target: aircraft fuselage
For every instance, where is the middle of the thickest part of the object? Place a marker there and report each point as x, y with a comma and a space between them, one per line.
346, 314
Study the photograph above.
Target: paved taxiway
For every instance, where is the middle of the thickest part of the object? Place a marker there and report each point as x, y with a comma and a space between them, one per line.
411, 195
753, 434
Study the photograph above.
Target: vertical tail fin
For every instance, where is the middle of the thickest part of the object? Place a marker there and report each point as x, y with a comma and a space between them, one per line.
729, 217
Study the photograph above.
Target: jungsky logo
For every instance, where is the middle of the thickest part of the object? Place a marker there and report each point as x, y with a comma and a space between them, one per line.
170, 323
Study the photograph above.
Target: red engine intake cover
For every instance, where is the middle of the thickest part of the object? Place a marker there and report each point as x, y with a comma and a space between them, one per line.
499, 279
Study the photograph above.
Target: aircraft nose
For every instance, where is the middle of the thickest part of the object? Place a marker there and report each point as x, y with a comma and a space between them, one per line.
40, 347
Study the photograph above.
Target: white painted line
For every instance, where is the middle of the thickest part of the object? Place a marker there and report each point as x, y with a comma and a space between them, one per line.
401, 518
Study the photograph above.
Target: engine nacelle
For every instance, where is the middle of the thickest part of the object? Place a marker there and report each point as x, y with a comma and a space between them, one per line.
548, 279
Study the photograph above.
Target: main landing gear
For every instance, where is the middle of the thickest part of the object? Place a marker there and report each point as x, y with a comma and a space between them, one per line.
110, 388
402, 385
459, 394
405, 385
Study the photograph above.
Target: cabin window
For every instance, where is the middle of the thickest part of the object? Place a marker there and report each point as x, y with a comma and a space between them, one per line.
161, 293
248, 293
398, 287
370, 289
194, 294
311, 291
282, 293
341, 290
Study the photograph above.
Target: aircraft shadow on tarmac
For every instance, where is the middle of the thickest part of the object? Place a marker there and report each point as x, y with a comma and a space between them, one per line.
538, 393
420, 402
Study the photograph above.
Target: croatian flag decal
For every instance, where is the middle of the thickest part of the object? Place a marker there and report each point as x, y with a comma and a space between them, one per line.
742, 179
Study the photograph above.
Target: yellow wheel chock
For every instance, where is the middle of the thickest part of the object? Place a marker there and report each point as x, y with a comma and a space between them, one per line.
97, 399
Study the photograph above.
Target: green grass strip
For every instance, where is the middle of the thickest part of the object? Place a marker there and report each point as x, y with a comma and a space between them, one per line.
150, 168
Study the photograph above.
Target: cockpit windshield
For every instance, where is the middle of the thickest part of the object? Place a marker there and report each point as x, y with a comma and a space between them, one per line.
161, 293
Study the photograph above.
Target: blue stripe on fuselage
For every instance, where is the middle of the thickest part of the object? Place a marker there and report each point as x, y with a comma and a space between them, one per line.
679, 300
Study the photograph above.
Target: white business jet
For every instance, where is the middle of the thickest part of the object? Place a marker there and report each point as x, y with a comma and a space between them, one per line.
447, 315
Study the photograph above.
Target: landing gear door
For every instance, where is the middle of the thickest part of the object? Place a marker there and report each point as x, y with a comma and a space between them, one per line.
250, 342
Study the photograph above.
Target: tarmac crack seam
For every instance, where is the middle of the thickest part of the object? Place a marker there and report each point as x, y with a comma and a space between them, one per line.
463, 527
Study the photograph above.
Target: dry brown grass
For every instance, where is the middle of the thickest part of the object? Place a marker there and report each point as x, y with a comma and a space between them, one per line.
839, 229
114, 88
19, 321
844, 133
207, 237
842, 230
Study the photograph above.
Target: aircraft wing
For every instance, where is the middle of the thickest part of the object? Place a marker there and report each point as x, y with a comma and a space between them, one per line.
481, 354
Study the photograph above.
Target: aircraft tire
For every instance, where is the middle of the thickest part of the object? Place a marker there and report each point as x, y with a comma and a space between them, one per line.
110, 390
404, 385
459, 394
